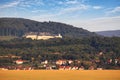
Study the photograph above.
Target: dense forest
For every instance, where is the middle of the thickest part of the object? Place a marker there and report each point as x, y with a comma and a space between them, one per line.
83, 49
19, 26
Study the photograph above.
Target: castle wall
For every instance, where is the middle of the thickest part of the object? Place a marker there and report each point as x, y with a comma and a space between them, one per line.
33, 37
45, 37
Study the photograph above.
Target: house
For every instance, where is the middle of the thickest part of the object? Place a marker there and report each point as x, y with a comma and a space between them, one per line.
116, 61
67, 68
91, 68
48, 68
70, 61
19, 61
61, 67
44, 62
81, 68
27, 68
75, 68
109, 61
101, 53
99, 68
60, 62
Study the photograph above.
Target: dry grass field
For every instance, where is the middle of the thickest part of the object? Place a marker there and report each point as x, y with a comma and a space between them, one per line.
60, 75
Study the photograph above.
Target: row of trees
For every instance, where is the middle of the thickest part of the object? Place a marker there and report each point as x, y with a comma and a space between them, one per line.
90, 45
11, 32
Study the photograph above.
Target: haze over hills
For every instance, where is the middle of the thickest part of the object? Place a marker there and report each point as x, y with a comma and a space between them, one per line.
20, 26
109, 33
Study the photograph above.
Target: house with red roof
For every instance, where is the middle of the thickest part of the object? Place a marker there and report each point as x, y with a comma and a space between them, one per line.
60, 62
61, 67
19, 61
67, 68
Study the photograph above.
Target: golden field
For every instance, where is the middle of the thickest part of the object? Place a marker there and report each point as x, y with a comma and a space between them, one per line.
60, 75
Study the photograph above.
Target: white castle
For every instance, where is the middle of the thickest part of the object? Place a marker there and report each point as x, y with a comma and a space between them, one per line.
41, 36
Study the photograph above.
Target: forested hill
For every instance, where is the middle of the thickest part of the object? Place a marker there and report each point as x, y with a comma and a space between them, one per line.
20, 26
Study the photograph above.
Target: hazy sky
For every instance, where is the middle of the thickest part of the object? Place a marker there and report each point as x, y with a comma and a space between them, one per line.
93, 15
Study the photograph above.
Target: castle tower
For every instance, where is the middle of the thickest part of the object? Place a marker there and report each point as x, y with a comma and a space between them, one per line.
59, 35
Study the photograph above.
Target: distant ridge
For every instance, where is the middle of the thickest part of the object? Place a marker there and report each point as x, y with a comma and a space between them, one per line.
110, 33
20, 26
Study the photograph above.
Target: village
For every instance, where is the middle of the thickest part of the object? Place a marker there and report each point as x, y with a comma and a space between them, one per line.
20, 64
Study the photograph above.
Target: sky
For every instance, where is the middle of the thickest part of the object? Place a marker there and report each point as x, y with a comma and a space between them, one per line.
93, 15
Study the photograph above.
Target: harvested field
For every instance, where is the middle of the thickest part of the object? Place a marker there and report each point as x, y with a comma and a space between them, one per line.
60, 75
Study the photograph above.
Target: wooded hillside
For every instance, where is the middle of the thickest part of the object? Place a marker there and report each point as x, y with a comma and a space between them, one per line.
19, 26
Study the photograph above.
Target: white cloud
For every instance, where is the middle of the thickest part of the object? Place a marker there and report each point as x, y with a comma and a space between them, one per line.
36, 11
11, 4
97, 7
113, 11
117, 9
72, 2
22, 3
30, 3
46, 16
73, 9
57, 13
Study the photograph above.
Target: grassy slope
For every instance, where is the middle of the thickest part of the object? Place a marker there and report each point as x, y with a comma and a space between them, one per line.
60, 75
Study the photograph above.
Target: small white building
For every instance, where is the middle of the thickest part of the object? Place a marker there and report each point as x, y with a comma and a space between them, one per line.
70, 61
99, 68
44, 62
75, 68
